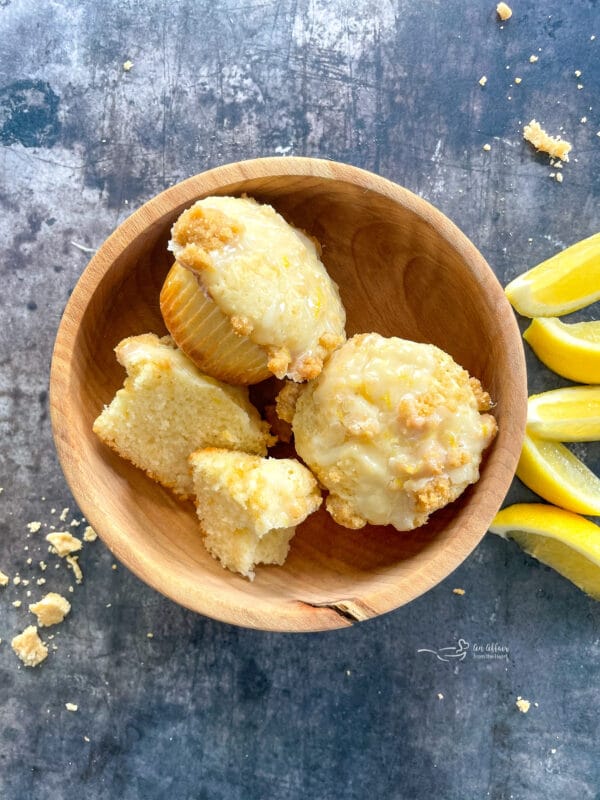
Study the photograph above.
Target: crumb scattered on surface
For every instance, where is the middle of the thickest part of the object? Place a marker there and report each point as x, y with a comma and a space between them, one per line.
583, 120
150, 635
440, 696
17, 580
34, 527
533, 59
64, 514
73, 562
89, 534
127, 65
487, 147
518, 80
64, 543
504, 11
51, 609
559, 177
458, 591
114, 566
17, 603
86, 738
29, 647
482, 80
4, 579
71, 706
522, 704
578, 73
554, 146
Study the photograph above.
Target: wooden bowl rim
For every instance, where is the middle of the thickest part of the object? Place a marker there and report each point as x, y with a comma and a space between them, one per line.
340, 612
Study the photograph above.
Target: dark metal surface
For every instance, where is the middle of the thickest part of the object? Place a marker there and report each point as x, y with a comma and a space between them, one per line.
203, 711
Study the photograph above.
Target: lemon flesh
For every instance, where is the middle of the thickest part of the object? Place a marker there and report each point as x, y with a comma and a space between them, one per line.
566, 282
571, 350
564, 541
571, 414
553, 472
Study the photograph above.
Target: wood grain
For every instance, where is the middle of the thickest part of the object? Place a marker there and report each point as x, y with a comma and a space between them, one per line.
403, 269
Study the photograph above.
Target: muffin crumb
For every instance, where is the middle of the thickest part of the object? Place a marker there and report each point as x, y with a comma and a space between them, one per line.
89, 534
522, 704
63, 543
29, 647
50, 610
73, 562
554, 146
504, 11
33, 527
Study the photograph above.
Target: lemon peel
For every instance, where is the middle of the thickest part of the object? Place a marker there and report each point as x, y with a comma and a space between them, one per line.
556, 474
568, 543
571, 414
563, 283
569, 349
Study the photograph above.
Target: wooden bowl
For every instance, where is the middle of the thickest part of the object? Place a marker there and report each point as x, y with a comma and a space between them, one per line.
403, 270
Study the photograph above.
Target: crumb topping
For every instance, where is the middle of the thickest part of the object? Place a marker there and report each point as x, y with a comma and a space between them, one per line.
207, 228
279, 360
241, 325
285, 403
343, 513
484, 401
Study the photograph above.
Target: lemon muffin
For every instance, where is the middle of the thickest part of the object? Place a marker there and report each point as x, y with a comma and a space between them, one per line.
393, 429
167, 409
249, 506
249, 297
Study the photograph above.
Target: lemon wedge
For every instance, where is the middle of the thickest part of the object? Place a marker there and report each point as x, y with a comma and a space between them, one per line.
566, 542
553, 472
567, 281
571, 350
571, 414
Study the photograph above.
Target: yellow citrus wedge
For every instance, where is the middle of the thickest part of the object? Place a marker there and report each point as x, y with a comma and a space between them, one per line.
567, 281
553, 472
571, 350
571, 414
566, 542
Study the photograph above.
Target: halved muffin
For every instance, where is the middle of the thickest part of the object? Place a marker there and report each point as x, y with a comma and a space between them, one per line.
249, 506
249, 296
167, 409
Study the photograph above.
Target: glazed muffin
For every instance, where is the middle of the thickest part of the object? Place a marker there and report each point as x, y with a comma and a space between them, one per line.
393, 429
248, 296
249, 506
167, 409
